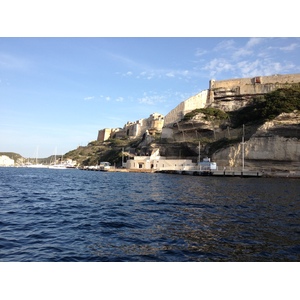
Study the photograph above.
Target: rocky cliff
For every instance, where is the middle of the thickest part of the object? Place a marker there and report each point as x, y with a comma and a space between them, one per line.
275, 145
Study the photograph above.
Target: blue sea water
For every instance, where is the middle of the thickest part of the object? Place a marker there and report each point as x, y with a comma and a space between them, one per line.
72, 215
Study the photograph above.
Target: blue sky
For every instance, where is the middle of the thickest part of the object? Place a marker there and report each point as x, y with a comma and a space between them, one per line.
56, 93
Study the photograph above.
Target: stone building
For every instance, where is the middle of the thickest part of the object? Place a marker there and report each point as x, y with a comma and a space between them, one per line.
104, 134
151, 125
156, 162
233, 94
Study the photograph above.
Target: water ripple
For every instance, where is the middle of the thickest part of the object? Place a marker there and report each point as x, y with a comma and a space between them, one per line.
72, 215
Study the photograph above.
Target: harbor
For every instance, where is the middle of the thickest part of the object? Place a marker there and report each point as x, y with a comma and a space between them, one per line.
217, 173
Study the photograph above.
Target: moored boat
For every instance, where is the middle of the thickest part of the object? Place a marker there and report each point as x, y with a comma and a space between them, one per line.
104, 166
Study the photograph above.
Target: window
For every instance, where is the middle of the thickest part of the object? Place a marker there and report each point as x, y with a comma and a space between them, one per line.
257, 80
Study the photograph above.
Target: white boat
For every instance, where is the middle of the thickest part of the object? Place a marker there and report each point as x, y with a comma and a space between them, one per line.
58, 166
35, 166
104, 166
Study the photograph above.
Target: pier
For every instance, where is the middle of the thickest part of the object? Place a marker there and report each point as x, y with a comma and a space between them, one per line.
224, 173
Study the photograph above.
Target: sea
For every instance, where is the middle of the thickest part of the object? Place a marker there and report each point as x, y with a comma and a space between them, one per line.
74, 215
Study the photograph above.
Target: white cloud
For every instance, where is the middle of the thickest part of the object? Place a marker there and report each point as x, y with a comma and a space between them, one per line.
128, 62
127, 74
262, 67
229, 47
249, 68
225, 45
253, 42
8, 61
248, 49
290, 47
170, 74
241, 52
250, 59
216, 66
200, 52
120, 99
146, 100
152, 99
89, 98
166, 73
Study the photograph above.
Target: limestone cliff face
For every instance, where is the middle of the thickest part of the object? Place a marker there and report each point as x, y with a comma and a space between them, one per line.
274, 142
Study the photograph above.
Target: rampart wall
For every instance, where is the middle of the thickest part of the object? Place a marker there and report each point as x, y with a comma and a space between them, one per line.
244, 82
249, 86
194, 102
233, 94
155, 122
104, 134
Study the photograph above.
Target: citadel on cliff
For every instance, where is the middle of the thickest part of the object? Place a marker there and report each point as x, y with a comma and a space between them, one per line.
226, 95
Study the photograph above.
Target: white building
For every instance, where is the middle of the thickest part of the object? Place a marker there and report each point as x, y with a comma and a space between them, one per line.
207, 165
5, 161
159, 163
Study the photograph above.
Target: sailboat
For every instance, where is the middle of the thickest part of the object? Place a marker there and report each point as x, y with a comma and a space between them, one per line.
36, 165
59, 166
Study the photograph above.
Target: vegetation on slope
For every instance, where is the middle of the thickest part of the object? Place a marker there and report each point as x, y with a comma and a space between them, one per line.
268, 106
95, 152
12, 155
210, 113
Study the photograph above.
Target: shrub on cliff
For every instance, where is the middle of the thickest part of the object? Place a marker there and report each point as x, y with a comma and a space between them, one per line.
268, 106
281, 101
210, 113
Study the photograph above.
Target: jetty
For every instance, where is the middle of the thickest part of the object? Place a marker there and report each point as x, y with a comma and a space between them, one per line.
224, 173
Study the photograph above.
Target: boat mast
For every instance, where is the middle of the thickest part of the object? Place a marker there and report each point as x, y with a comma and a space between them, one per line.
55, 155
37, 153
243, 148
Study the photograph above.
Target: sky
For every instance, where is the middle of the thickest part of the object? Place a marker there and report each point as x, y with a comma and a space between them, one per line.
62, 81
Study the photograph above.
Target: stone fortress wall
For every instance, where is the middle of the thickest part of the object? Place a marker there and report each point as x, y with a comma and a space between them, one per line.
194, 102
153, 124
254, 85
104, 134
235, 93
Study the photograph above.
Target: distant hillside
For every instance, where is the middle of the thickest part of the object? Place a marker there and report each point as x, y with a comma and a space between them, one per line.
12, 155
19, 159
